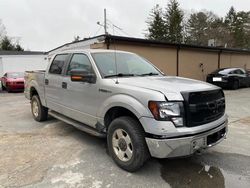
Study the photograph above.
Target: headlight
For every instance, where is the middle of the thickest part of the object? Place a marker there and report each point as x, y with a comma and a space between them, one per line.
167, 111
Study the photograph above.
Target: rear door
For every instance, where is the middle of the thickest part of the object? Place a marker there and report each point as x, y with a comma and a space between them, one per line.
242, 77
53, 82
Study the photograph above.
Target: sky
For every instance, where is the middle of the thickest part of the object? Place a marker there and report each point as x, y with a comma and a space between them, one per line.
41, 25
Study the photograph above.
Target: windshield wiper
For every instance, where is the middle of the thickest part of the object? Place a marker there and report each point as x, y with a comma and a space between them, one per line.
118, 75
149, 74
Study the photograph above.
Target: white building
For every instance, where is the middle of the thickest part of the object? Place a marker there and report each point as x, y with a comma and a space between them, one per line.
20, 61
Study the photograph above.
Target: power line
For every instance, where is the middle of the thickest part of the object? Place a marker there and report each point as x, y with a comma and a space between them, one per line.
106, 24
98, 30
118, 28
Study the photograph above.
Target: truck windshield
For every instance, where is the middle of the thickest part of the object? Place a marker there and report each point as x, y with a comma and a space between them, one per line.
126, 65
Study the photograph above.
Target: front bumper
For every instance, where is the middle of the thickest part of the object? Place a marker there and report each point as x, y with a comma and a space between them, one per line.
16, 87
222, 84
184, 146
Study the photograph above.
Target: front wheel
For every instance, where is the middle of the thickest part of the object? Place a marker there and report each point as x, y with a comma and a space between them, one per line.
126, 143
3, 88
39, 112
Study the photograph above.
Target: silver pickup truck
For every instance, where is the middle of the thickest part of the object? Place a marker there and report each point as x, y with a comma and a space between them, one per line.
123, 97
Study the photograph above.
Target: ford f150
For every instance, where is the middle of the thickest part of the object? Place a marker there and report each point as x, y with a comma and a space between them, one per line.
123, 97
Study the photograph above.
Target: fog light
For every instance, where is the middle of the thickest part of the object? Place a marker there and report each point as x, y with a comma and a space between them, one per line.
178, 121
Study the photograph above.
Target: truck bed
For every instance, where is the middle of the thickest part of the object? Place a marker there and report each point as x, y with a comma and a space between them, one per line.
35, 79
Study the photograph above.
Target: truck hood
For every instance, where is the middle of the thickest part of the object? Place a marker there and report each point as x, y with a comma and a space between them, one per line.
170, 86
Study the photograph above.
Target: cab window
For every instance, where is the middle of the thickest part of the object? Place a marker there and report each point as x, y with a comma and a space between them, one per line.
58, 63
79, 61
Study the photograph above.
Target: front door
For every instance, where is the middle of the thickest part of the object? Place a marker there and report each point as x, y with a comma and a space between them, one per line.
80, 99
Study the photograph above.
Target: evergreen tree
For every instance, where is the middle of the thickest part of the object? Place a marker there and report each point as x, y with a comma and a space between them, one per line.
18, 47
232, 31
2, 30
241, 30
174, 19
6, 44
238, 24
197, 28
230, 19
203, 26
156, 25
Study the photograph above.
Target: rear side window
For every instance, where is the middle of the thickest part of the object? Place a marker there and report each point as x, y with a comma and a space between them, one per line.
80, 61
238, 71
57, 64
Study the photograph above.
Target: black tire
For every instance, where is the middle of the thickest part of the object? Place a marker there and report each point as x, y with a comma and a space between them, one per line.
248, 85
3, 88
140, 151
235, 85
42, 112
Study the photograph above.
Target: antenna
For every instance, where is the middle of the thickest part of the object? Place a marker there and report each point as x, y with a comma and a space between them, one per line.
116, 67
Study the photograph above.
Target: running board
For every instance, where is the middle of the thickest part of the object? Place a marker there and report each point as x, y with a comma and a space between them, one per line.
77, 124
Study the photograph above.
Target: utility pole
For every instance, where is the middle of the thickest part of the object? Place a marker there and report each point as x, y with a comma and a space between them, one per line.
105, 22
104, 25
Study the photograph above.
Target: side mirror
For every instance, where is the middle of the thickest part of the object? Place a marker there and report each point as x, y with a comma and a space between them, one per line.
82, 75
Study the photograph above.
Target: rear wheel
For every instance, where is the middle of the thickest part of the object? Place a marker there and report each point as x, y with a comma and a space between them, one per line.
126, 143
248, 85
39, 112
235, 85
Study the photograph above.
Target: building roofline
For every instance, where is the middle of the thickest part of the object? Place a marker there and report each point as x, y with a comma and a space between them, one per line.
112, 39
5, 52
109, 39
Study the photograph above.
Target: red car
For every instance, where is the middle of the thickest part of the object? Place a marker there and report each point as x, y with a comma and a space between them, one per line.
13, 81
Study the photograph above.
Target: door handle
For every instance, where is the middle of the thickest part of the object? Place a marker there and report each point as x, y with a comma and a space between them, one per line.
64, 85
46, 81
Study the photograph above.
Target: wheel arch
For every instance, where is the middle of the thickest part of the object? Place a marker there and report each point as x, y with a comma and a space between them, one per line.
121, 105
33, 91
116, 112
34, 88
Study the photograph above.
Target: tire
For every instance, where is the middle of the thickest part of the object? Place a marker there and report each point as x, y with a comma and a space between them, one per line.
248, 85
3, 88
127, 128
235, 85
39, 112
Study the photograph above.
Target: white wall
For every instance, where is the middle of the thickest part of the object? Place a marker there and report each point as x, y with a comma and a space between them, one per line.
21, 63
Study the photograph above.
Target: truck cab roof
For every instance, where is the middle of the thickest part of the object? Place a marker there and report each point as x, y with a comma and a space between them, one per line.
92, 51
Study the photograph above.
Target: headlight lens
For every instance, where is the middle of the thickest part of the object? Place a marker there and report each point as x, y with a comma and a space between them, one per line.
167, 111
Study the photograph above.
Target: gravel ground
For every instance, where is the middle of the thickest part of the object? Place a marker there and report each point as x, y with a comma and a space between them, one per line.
54, 154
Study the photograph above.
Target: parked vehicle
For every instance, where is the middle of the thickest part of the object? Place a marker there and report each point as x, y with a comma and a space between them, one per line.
122, 96
232, 78
13, 81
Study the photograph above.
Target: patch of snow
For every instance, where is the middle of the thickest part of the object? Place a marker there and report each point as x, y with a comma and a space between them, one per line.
207, 167
70, 178
96, 184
